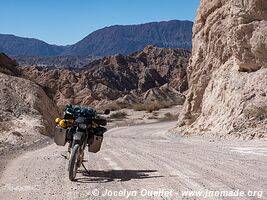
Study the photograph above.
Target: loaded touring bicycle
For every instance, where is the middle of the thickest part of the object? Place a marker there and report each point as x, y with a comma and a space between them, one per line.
80, 127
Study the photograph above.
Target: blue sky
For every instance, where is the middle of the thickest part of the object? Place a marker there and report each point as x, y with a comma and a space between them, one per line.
68, 21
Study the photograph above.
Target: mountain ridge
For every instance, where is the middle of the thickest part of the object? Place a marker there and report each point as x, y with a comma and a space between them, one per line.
15, 45
126, 39
123, 39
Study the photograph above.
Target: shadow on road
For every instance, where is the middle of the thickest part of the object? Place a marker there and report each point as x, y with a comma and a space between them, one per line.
118, 175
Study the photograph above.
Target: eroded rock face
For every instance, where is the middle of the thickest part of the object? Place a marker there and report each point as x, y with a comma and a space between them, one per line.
8, 66
25, 109
114, 77
228, 69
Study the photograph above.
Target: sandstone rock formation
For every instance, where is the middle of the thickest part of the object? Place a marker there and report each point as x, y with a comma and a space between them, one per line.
228, 70
25, 109
139, 76
164, 93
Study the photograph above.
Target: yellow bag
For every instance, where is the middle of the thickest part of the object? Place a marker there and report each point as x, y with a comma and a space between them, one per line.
64, 123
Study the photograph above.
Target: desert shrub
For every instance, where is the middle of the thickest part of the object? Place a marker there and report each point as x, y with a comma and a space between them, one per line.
4, 128
259, 113
155, 115
151, 106
169, 117
118, 115
138, 107
148, 106
113, 106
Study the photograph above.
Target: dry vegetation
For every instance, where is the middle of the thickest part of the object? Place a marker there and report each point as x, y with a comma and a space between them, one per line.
149, 106
113, 106
169, 117
118, 115
259, 113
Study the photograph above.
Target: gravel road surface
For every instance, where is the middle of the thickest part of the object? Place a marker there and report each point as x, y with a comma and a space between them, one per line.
143, 162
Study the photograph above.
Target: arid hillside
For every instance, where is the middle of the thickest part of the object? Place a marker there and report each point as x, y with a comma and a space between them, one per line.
228, 70
25, 109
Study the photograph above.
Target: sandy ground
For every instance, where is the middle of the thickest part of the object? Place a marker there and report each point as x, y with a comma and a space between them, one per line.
138, 159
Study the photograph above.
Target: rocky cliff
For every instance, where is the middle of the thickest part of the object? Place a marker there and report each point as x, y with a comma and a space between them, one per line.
228, 70
138, 77
25, 109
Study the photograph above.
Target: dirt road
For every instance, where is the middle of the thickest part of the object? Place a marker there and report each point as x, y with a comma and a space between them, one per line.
143, 162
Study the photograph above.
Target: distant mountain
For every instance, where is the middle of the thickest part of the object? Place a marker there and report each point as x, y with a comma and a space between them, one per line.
14, 45
123, 39
130, 38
